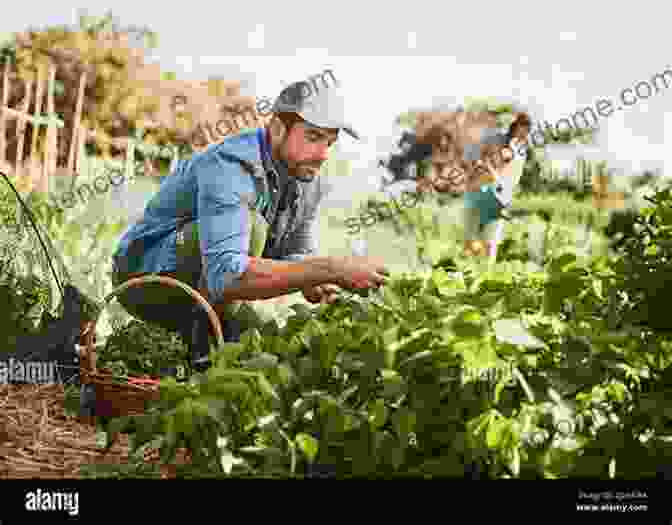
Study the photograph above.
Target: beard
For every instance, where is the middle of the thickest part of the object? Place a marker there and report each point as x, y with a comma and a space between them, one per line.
298, 170
302, 174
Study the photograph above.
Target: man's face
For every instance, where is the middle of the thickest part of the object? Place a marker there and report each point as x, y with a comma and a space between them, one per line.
305, 149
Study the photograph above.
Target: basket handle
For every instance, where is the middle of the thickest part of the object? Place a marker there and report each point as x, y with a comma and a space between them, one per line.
164, 279
88, 357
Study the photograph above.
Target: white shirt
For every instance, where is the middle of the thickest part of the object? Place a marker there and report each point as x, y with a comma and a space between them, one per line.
507, 183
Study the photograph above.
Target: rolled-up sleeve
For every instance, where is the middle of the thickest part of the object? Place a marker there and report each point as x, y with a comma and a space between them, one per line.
224, 190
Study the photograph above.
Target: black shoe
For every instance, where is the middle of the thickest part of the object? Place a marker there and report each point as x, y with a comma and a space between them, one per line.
87, 400
199, 339
201, 366
174, 372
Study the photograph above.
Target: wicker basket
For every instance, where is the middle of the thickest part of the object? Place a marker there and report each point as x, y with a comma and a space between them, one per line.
115, 397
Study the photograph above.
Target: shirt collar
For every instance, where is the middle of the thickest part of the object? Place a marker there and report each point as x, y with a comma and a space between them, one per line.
289, 189
277, 167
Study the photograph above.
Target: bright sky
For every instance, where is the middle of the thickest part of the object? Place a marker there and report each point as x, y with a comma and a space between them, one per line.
391, 56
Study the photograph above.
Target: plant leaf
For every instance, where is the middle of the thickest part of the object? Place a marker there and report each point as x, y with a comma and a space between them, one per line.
228, 461
308, 445
267, 388
378, 413
512, 331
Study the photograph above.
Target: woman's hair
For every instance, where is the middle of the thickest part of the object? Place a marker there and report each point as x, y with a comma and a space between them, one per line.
457, 138
520, 127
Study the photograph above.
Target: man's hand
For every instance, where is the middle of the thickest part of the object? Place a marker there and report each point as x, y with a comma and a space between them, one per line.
324, 293
357, 272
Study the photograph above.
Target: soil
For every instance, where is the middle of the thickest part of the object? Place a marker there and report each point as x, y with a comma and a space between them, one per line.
38, 440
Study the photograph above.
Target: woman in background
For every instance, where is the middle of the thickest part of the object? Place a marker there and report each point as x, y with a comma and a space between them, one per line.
473, 154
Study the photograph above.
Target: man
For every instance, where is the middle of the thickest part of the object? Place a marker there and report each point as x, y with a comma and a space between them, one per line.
237, 222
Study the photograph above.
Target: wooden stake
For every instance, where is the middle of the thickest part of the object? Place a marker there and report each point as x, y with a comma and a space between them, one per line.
74, 142
130, 158
3, 104
22, 117
82, 139
50, 147
38, 110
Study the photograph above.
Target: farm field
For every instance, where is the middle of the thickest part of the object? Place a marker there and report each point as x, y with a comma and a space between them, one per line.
525, 369
552, 362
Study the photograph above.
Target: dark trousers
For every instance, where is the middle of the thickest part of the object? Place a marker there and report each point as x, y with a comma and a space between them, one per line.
171, 308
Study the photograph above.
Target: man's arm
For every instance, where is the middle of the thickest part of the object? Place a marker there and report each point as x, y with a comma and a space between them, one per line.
266, 279
224, 190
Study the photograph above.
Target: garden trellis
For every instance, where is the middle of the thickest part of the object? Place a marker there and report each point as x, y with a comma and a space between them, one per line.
31, 174
50, 120
35, 172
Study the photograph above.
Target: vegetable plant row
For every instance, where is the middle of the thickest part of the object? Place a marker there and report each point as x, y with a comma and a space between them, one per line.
513, 372
549, 374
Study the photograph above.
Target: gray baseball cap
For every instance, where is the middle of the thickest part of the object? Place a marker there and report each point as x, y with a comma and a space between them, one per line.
322, 107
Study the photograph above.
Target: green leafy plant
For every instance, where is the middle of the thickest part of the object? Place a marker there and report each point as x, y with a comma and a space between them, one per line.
138, 349
528, 373
435, 373
644, 261
27, 287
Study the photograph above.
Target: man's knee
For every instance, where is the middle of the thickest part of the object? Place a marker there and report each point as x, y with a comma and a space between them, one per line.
156, 303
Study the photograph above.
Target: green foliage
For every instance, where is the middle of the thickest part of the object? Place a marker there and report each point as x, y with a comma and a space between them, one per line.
77, 249
28, 291
427, 376
548, 372
25, 302
116, 101
644, 262
138, 349
407, 119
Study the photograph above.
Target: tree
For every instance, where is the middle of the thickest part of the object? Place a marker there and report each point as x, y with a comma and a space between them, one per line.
125, 96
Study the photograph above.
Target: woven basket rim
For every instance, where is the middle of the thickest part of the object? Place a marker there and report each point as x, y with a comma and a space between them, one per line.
124, 396
107, 381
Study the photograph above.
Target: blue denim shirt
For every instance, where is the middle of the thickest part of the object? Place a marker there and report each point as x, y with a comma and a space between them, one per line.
215, 191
